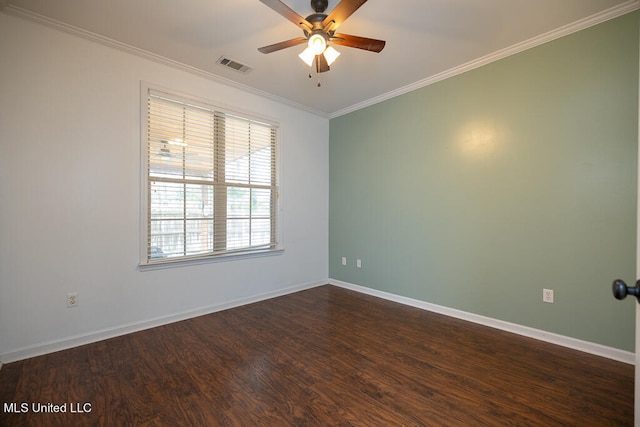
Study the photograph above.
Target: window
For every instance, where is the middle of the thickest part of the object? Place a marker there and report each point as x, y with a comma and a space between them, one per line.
210, 181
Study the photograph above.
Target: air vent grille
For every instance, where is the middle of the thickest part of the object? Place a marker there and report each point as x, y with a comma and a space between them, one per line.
234, 65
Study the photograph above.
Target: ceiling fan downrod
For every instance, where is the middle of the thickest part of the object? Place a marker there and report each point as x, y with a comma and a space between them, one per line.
319, 5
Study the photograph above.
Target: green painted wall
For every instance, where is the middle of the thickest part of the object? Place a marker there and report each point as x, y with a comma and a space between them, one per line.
479, 191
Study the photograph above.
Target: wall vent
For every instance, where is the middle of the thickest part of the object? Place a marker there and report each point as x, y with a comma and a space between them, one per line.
234, 65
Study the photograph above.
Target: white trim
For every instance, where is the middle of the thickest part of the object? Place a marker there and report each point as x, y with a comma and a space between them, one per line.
614, 12
636, 402
106, 41
144, 171
582, 24
88, 338
144, 265
91, 337
573, 343
185, 262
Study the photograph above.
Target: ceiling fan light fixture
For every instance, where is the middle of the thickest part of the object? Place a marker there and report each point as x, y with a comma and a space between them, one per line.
307, 56
317, 43
319, 29
330, 54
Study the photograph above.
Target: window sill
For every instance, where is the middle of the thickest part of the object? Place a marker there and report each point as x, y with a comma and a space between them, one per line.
185, 262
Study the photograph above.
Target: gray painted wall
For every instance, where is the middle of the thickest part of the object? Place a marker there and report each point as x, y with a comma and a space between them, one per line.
479, 191
70, 196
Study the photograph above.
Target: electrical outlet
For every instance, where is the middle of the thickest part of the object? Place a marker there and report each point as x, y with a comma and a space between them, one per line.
547, 295
344, 260
72, 299
358, 263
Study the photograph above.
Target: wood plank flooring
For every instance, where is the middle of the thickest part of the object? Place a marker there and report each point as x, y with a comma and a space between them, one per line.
322, 357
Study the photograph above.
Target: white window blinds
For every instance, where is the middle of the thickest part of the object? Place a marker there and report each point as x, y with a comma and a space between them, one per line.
210, 181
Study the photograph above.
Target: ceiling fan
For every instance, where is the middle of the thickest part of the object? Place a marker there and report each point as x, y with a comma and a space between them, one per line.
319, 30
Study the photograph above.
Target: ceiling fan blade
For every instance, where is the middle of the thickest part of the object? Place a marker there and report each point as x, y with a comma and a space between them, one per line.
341, 12
288, 13
321, 64
358, 42
282, 45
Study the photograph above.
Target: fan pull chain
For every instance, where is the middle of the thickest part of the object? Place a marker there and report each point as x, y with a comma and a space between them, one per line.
317, 74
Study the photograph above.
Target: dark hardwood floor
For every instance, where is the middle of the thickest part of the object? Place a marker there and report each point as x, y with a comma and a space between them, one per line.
325, 356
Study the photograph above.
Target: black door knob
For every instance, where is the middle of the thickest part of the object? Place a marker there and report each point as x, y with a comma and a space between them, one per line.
621, 290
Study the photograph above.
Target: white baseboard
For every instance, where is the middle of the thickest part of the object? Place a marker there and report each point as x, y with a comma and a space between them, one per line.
78, 340
573, 343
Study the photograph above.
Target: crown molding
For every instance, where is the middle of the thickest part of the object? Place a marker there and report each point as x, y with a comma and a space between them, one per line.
106, 41
582, 24
614, 12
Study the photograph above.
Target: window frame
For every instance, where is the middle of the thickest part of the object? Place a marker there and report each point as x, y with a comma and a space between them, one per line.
145, 262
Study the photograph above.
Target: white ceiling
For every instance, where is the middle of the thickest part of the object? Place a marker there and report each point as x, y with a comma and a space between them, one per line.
425, 39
